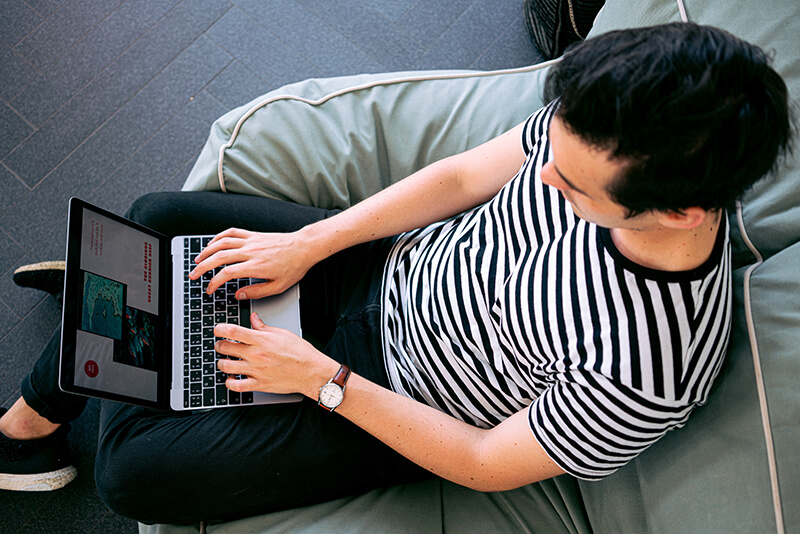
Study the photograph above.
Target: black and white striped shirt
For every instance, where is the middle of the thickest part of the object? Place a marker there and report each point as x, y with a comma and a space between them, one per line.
519, 303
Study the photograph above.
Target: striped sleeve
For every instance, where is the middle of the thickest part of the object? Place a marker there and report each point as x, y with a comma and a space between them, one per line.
641, 374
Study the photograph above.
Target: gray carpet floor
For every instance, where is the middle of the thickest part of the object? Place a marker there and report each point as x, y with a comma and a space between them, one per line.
110, 99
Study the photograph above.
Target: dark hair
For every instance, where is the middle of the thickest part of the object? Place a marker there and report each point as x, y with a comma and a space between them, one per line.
698, 114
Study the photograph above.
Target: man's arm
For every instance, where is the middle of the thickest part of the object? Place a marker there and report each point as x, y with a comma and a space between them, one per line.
440, 190
437, 192
498, 459
504, 457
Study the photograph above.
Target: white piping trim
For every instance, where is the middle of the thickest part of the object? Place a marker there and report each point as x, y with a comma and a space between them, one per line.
369, 85
682, 9
751, 331
762, 394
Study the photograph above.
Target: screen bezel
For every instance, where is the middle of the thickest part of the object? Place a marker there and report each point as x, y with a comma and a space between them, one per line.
71, 311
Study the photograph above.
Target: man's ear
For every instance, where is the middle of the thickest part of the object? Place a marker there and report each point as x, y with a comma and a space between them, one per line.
685, 219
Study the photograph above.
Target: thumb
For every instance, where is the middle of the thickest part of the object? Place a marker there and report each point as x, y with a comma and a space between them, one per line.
256, 323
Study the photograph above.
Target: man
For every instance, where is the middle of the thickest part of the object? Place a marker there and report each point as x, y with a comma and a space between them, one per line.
554, 300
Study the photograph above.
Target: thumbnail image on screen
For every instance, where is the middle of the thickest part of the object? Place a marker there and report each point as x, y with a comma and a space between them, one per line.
103, 300
136, 348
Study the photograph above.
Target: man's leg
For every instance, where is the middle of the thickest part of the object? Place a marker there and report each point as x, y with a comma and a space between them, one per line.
33, 449
235, 462
34, 455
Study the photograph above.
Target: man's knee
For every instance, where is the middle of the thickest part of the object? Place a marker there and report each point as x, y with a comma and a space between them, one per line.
151, 209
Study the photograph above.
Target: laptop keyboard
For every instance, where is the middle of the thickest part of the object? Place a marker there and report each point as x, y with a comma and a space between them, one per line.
204, 383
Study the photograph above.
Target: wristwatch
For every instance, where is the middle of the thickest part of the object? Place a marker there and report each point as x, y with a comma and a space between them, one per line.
331, 394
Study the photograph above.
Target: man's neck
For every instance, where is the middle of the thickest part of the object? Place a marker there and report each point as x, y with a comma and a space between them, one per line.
666, 249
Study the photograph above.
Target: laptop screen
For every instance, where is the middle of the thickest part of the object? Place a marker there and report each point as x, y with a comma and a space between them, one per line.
113, 332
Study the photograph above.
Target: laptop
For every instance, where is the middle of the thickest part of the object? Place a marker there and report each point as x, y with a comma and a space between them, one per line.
136, 330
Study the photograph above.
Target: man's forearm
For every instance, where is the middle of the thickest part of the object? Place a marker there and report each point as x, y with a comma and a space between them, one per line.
437, 192
498, 459
430, 195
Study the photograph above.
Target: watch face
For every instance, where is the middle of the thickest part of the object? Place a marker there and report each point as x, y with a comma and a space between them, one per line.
331, 395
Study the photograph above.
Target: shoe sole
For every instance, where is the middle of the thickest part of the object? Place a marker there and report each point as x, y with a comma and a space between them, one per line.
40, 481
43, 266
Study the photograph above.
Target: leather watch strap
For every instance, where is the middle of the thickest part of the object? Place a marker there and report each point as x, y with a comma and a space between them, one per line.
341, 376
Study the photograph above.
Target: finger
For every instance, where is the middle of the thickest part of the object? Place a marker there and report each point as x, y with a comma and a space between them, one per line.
232, 349
233, 367
226, 274
233, 332
230, 232
241, 384
219, 249
259, 290
212, 262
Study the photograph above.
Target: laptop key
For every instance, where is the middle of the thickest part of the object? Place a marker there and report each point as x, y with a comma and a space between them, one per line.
222, 395
208, 397
196, 401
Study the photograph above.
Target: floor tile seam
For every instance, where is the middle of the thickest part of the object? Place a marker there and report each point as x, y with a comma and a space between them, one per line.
31, 65
6, 303
110, 117
183, 165
407, 11
215, 97
47, 233
2, 376
77, 40
3, 230
10, 105
94, 78
445, 30
108, 515
106, 121
277, 38
433, 45
497, 38
44, 18
367, 52
383, 15
33, 515
29, 189
22, 319
235, 60
146, 141
37, 12
11, 399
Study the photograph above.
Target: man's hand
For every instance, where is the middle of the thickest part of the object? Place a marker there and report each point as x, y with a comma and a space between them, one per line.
280, 259
273, 360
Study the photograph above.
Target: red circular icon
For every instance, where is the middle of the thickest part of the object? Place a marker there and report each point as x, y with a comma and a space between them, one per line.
91, 368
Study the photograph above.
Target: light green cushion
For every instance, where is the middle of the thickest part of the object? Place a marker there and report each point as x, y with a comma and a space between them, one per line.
359, 140
401, 509
714, 474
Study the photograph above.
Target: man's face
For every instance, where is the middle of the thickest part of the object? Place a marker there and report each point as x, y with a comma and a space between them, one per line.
583, 174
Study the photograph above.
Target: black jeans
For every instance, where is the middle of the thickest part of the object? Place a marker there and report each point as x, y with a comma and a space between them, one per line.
160, 467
